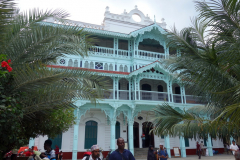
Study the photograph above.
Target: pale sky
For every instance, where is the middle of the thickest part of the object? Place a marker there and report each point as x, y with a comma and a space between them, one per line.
176, 12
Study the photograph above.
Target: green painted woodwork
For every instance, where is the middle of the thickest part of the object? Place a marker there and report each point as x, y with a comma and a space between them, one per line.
90, 134
186, 142
117, 130
57, 141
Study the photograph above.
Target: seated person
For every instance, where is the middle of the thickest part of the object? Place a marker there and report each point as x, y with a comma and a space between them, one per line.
50, 153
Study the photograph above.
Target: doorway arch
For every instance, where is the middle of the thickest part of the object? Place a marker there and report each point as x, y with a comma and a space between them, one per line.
91, 128
149, 138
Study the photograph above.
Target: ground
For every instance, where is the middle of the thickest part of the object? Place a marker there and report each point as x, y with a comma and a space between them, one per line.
215, 157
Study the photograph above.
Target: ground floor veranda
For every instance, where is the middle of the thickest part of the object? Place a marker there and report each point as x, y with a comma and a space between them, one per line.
103, 123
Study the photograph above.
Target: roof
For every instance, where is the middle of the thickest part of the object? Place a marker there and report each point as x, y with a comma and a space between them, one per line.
117, 34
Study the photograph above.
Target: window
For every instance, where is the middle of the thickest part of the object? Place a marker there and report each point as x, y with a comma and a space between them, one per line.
70, 63
162, 136
91, 65
62, 61
98, 65
75, 63
117, 130
121, 68
106, 66
177, 90
186, 142
86, 64
160, 88
125, 68
110, 67
57, 141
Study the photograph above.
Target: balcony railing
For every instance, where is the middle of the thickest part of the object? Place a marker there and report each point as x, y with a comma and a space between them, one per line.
151, 96
177, 98
110, 52
150, 55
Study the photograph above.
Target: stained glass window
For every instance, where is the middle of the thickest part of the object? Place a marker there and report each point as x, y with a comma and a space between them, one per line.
98, 65
62, 61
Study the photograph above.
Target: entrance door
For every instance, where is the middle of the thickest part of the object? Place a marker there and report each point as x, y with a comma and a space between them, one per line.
149, 139
56, 141
90, 134
136, 135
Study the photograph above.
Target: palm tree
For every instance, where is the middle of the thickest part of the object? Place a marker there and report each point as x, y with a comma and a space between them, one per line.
35, 89
209, 67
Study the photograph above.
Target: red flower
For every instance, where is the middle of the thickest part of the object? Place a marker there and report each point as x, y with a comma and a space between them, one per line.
9, 69
4, 64
9, 61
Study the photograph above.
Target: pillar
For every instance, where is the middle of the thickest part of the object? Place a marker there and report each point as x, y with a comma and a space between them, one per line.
130, 88
167, 145
170, 94
231, 139
114, 88
140, 134
130, 136
117, 87
75, 135
115, 45
182, 146
31, 142
112, 143
183, 97
209, 146
135, 90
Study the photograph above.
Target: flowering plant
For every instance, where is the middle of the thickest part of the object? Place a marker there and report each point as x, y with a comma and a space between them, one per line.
5, 64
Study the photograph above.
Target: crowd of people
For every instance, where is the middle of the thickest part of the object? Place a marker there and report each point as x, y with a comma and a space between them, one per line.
119, 154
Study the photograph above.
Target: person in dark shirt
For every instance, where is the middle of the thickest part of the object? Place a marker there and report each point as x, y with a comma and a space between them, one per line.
151, 153
121, 153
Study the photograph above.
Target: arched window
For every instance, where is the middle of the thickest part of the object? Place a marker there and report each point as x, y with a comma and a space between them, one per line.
110, 67
125, 68
177, 90
160, 88
121, 68
117, 130
91, 65
86, 65
57, 141
90, 134
146, 87
106, 66
76, 63
70, 63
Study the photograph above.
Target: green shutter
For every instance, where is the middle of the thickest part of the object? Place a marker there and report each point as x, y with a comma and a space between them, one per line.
186, 142
162, 136
90, 134
117, 130
57, 141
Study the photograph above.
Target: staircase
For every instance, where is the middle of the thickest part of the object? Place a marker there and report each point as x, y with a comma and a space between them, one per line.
141, 153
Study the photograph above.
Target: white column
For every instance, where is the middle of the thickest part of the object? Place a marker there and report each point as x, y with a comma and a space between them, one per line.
31, 142
140, 134
209, 146
167, 145
117, 87
130, 136
114, 88
112, 144
135, 89
130, 88
182, 146
138, 86
75, 134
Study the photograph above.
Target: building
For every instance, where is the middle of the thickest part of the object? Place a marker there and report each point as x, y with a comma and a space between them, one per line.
129, 54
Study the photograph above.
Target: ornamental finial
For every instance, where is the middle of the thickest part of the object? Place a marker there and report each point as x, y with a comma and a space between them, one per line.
154, 19
107, 9
136, 7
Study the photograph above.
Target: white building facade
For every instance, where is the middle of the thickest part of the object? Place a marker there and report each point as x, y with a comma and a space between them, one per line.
129, 54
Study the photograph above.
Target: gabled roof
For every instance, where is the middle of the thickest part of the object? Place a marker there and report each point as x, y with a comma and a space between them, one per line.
156, 64
148, 29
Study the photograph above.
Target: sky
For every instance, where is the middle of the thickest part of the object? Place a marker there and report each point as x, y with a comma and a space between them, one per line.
175, 12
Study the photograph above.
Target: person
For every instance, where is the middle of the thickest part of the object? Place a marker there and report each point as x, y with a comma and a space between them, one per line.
57, 152
95, 153
198, 150
151, 153
237, 155
143, 140
28, 152
202, 149
227, 147
233, 147
49, 153
121, 153
162, 153
60, 155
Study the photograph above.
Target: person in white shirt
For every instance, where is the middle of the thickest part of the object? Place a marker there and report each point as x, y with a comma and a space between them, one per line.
202, 149
233, 147
95, 153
